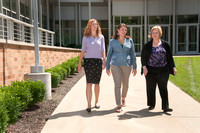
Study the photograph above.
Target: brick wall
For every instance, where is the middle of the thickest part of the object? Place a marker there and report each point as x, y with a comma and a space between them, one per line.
16, 60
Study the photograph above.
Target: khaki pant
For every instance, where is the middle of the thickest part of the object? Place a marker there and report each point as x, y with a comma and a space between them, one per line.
120, 76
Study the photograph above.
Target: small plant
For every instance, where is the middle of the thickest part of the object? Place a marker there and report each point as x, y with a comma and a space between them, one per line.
4, 117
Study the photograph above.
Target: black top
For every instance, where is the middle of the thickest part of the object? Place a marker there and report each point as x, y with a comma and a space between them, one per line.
146, 53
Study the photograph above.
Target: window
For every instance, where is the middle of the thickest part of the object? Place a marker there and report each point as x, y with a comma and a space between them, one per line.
117, 20
187, 19
131, 20
159, 20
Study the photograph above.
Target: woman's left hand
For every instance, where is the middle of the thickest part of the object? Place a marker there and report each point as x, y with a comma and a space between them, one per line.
134, 72
103, 65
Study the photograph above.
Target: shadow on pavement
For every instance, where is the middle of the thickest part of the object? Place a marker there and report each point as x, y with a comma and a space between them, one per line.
139, 114
83, 113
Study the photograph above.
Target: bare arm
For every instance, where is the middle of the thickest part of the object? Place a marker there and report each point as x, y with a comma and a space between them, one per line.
80, 60
104, 59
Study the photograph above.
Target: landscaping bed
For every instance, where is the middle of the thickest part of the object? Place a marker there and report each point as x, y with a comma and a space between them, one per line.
33, 119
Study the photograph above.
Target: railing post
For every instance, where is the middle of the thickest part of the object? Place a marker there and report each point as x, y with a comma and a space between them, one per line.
22, 32
39, 37
52, 39
9, 28
3, 27
32, 35
46, 38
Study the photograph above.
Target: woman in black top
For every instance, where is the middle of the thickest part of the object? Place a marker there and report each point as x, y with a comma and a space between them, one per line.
157, 64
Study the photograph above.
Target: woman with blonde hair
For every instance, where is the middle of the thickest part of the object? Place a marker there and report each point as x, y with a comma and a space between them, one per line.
157, 64
93, 51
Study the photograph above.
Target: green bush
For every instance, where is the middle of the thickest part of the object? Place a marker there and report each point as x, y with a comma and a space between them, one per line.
3, 117
73, 66
37, 89
64, 65
63, 70
12, 105
55, 78
19, 89
59, 70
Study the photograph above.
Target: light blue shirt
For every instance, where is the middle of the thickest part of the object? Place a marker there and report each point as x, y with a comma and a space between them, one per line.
93, 46
121, 56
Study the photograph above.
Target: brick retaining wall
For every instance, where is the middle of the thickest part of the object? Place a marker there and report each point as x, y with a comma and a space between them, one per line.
15, 60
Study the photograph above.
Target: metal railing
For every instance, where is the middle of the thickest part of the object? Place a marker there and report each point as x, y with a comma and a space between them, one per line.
16, 30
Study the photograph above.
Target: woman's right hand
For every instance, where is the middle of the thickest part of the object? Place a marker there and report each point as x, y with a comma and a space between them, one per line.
108, 72
145, 71
79, 68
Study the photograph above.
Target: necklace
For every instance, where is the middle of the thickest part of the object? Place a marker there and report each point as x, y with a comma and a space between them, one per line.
156, 44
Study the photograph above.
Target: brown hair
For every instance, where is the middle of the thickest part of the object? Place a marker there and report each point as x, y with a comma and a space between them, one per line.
88, 32
159, 30
116, 32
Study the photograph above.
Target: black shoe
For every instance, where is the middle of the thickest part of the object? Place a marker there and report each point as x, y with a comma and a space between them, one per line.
88, 109
96, 106
167, 110
151, 108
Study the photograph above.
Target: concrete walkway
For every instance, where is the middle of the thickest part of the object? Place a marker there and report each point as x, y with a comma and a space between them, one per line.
70, 116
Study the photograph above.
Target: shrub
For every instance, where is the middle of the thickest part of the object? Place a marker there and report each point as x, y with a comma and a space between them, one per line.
37, 89
19, 89
59, 70
12, 105
3, 117
73, 66
64, 65
63, 70
55, 78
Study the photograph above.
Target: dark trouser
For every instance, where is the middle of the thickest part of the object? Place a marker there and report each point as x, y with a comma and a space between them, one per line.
152, 79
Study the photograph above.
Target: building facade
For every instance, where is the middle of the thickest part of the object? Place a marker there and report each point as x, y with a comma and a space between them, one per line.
179, 19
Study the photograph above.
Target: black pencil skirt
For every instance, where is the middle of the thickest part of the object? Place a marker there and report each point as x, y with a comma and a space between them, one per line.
93, 70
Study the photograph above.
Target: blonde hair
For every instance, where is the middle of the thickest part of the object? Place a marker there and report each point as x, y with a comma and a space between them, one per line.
159, 30
116, 35
88, 32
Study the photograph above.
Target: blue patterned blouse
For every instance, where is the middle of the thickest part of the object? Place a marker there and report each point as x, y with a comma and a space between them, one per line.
158, 57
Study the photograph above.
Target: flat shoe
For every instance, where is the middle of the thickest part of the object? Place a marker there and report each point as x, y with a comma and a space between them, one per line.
168, 110
119, 109
151, 108
96, 106
88, 109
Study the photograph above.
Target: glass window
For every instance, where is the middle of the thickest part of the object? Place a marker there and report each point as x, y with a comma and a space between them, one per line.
66, 23
13, 5
22, 9
117, 20
103, 23
84, 23
187, 19
6, 3
68, 38
131, 20
158, 19
44, 21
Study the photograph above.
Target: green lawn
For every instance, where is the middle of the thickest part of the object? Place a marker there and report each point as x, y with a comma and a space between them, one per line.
188, 76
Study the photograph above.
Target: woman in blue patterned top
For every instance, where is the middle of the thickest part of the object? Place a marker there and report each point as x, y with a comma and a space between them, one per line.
157, 64
121, 58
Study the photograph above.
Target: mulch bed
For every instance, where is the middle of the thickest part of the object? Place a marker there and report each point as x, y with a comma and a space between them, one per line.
33, 119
